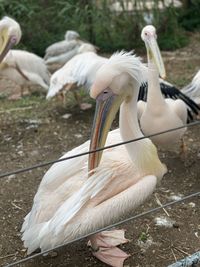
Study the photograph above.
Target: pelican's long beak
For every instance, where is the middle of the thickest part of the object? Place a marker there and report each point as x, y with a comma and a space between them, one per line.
8, 43
154, 54
107, 105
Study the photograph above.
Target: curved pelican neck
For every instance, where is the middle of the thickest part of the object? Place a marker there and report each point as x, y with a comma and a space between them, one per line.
129, 127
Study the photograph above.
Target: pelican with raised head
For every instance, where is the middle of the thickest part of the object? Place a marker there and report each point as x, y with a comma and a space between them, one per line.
81, 195
159, 114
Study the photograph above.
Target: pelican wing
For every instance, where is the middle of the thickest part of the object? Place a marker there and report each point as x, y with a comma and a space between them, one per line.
80, 70
192, 90
60, 48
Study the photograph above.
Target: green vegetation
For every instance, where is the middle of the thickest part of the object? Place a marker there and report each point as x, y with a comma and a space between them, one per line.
143, 236
44, 22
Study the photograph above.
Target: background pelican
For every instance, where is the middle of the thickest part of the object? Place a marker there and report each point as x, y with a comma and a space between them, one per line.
59, 53
10, 35
68, 203
25, 69
158, 113
22, 67
62, 46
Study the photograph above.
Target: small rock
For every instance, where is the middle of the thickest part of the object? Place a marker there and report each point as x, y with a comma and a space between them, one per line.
66, 116
51, 254
176, 197
164, 221
10, 177
192, 204
78, 135
20, 153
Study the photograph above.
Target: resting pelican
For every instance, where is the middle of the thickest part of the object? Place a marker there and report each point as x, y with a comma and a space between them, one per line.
74, 199
158, 113
22, 67
10, 35
25, 69
71, 38
79, 48
60, 53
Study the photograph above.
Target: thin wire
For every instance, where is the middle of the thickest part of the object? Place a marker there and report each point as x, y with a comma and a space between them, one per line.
96, 150
106, 228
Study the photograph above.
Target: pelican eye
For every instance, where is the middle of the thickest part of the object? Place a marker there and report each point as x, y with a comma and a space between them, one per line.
105, 95
13, 39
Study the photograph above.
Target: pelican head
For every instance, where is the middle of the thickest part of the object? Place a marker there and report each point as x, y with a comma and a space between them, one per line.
10, 35
114, 83
71, 35
149, 37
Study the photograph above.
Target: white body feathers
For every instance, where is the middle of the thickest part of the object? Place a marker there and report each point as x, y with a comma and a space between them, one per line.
68, 204
80, 70
25, 68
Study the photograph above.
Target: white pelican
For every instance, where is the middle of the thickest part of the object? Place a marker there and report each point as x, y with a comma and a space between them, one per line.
25, 69
71, 38
22, 67
59, 53
68, 203
158, 113
10, 35
73, 50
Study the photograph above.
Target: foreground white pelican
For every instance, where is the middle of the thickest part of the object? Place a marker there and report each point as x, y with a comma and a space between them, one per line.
158, 113
10, 35
68, 203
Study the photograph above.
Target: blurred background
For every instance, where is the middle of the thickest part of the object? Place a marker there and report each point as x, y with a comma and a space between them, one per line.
109, 24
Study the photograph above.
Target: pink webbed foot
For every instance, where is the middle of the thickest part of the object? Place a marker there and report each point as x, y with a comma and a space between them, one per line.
113, 256
104, 246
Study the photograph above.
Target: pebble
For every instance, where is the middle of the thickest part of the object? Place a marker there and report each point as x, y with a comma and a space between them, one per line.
66, 116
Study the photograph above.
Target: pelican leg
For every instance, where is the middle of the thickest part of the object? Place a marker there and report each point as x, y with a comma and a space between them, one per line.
183, 149
83, 106
104, 247
17, 95
24, 90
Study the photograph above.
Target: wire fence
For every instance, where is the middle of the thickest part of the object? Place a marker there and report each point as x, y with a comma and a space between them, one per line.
195, 123
115, 224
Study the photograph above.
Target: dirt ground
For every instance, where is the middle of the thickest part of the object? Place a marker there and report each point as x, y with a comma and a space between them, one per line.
33, 130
